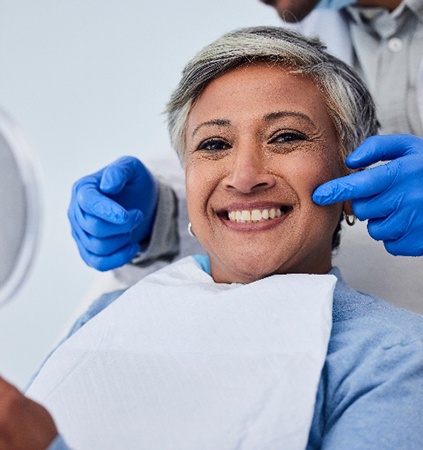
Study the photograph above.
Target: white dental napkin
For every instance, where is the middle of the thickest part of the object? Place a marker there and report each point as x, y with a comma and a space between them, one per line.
180, 362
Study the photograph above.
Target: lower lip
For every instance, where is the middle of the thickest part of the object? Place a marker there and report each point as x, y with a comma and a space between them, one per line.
253, 226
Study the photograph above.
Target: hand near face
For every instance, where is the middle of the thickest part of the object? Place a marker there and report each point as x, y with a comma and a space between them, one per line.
389, 196
24, 424
112, 211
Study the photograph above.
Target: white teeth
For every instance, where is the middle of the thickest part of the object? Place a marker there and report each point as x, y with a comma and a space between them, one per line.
245, 216
254, 215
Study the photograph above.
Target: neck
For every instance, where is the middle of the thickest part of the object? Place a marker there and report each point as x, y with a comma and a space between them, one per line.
388, 4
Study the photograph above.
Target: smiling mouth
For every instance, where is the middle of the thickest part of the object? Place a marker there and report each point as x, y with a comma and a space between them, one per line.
257, 215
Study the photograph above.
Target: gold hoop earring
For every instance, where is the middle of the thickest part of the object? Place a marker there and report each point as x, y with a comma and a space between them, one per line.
350, 219
190, 232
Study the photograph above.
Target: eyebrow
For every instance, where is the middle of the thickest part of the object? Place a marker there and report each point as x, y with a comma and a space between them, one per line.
267, 118
216, 122
281, 114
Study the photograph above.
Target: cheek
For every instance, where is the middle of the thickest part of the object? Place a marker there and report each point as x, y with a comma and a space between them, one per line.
199, 185
310, 172
192, 192
305, 175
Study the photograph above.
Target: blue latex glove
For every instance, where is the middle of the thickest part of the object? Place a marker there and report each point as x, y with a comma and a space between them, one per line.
334, 4
390, 196
112, 211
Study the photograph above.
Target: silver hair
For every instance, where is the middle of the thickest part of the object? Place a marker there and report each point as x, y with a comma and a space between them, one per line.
349, 102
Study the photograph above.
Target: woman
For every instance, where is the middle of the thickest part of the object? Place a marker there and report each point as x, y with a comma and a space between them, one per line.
227, 351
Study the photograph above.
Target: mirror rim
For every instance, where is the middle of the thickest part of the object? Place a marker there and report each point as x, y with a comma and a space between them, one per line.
28, 168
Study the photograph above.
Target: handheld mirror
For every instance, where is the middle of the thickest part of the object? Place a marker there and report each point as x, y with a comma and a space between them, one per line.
19, 207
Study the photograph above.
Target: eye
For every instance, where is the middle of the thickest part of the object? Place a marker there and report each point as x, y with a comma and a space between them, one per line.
214, 145
288, 136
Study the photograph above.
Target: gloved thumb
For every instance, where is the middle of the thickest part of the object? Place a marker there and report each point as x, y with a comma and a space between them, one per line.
135, 218
113, 180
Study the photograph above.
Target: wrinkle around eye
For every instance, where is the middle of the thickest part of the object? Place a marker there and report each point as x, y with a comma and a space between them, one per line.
300, 144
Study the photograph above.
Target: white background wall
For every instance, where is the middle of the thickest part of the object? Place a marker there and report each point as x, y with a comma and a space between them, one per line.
87, 81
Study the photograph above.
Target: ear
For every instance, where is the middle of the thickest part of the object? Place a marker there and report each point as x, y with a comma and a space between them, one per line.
346, 207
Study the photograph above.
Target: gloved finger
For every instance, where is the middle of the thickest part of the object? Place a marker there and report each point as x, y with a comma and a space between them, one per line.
99, 228
383, 148
407, 245
366, 183
104, 246
93, 202
119, 173
378, 206
388, 228
370, 208
104, 263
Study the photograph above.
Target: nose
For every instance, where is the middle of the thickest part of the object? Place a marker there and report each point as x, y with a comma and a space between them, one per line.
248, 172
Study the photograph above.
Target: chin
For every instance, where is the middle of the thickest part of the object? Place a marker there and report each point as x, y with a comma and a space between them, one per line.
246, 273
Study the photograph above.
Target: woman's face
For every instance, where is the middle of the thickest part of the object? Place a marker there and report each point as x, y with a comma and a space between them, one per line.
259, 140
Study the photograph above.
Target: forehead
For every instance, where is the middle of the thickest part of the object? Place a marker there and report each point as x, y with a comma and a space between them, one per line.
253, 91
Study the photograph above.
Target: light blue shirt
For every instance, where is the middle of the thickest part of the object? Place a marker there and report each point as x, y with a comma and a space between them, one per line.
370, 394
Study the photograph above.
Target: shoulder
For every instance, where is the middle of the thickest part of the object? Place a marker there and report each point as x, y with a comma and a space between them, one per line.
371, 321
368, 332
371, 389
95, 308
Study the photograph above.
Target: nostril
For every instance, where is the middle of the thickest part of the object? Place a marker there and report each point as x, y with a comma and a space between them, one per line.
259, 185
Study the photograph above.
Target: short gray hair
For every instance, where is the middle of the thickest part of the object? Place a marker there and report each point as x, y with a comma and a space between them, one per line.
349, 102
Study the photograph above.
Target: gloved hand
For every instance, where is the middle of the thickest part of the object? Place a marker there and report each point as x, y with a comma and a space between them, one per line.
390, 196
112, 211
